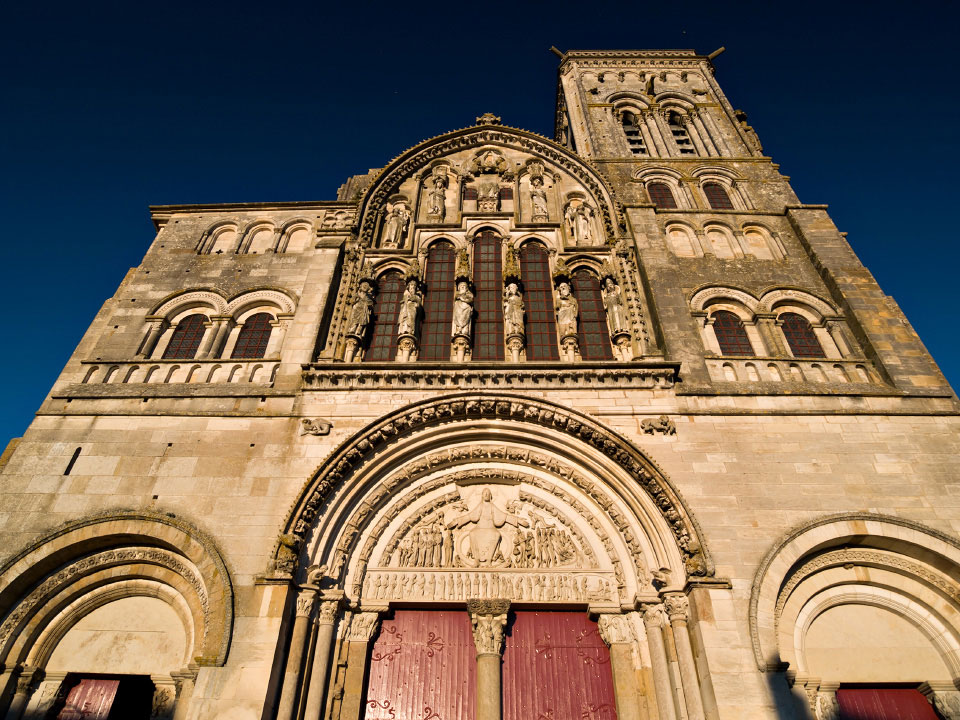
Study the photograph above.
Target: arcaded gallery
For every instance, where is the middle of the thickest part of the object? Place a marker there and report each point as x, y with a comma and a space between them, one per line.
604, 426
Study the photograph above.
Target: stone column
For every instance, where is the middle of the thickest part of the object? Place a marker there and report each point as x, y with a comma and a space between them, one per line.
488, 618
766, 324
278, 334
287, 708
654, 620
23, 692
213, 341
704, 134
825, 705
677, 609
654, 130
942, 695
316, 690
363, 626
694, 135
45, 695
185, 681
617, 632
153, 335
164, 697
715, 134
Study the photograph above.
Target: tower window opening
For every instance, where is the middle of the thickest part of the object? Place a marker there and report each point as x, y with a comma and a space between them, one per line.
661, 196
186, 338
800, 336
731, 335
717, 197
631, 129
680, 136
253, 338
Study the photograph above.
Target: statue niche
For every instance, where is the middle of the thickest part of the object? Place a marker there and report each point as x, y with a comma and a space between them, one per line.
395, 224
486, 170
580, 222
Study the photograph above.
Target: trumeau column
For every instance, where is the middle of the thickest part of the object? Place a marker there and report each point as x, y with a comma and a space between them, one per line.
488, 618
363, 626
677, 610
287, 708
617, 632
326, 619
654, 620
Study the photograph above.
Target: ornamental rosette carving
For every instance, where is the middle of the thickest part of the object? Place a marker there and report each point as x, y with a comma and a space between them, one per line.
615, 629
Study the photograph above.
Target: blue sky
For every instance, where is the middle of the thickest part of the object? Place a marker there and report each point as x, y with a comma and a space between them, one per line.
110, 107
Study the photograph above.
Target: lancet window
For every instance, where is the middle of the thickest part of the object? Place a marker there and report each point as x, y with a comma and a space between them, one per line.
541, 328
438, 303
800, 336
254, 337
487, 276
593, 335
186, 338
384, 338
731, 335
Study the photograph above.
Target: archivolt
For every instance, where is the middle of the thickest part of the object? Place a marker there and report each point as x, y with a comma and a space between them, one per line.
337, 476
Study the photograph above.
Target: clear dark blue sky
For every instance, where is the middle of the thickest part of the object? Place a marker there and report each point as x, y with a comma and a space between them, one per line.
109, 107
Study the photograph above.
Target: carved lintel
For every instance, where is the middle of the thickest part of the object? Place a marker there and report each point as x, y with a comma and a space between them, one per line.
615, 629
363, 626
488, 618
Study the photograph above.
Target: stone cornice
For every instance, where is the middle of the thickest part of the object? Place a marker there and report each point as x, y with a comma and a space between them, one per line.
376, 376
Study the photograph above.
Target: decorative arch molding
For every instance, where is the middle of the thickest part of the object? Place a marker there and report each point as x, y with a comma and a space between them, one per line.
265, 296
421, 157
770, 298
704, 296
914, 543
66, 565
708, 172
366, 460
214, 300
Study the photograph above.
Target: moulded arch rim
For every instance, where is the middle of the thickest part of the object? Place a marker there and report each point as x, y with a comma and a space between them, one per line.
652, 174
426, 245
387, 265
287, 225
829, 531
532, 239
585, 262
798, 296
358, 496
704, 173
47, 640
756, 225
283, 301
116, 529
258, 224
218, 226
625, 99
352, 454
671, 99
685, 224
205, 295
897, 603
714, 224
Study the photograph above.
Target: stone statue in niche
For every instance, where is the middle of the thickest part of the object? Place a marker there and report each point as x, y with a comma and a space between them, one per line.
488, 193
512, 310
361, 311
538, 200
409, 317
395, 226
437, 200
567, 310
462, 310
579, 221
481, 545
613, 304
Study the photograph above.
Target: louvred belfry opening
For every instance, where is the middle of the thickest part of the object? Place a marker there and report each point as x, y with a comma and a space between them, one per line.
555, 665
423, 667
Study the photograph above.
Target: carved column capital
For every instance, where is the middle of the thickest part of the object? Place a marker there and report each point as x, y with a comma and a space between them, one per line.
654, 615
488, 618
305, 602
327, 613
678, 607
363, 626
615, 629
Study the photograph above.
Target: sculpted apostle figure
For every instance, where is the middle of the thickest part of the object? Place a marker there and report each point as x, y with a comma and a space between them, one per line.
396, 225
613, 304
567, 310
410, 308
462, 309
584, 225
512, 310
538, 198
361, 311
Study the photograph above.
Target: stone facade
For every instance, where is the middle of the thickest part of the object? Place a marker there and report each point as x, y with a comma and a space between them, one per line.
624, 372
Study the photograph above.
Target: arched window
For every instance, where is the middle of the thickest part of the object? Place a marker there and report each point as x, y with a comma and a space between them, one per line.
661, 196
254, 337
731, 335
593, 336
186, 338
383, 341
631, 129
717, 197
437, 304
800, 336
488, 300
680, 135
541, 325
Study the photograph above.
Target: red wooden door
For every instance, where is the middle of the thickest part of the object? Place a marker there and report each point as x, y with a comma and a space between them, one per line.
423, 667
556, 667
90, 699
883, 704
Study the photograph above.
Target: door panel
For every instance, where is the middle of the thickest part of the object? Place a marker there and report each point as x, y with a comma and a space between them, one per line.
90, 699
883, 704
556, 667
423, 667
